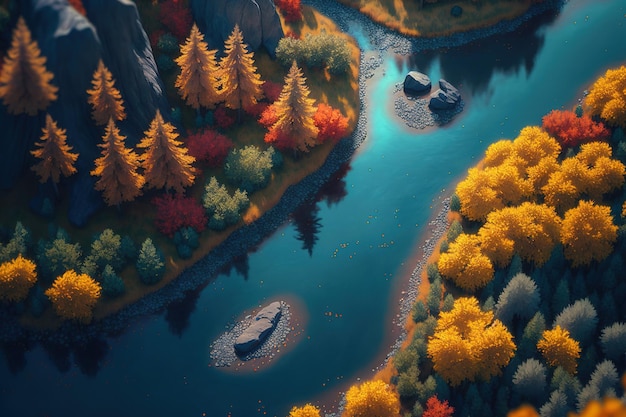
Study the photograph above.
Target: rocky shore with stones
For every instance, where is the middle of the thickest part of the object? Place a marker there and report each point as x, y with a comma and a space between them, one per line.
238, 243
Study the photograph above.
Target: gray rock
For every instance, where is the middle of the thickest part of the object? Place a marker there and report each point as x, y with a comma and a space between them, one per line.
261, 327
112, 32
445, 98
257, 19
416, 83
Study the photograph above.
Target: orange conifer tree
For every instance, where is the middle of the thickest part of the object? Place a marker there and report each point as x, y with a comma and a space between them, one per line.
166, 163
106, 100
55, 155
24, 81
117, 168
197, 82
241, 84
294, 111
74, 295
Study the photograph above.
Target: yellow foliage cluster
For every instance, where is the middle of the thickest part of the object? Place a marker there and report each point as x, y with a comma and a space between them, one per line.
371, 399
106, 100
74, 295
16, 279
54, 152
306, 411
465, 264
468, 343
607, 97
559, 349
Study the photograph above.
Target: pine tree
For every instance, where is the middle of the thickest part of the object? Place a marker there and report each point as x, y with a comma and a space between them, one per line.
241, 85
24, 81
105, 99
117, 168
294, 110
197, 82
55, 155
166, 163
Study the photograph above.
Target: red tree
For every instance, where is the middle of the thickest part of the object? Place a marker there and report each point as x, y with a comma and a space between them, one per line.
571, 130
209, 146
332, 125
271, 90
175, 211
224, 118
436, 408
176, 16
291, 9
268, 117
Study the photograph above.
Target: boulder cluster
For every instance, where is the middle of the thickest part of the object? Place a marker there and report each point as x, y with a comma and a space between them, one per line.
446, 97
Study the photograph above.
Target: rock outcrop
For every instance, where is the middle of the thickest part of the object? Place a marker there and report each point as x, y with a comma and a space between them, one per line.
445, 98
416, 83
262, 326
73, 44
257, 19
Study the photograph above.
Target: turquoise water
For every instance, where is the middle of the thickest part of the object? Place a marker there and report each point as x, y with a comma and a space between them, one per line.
362, 249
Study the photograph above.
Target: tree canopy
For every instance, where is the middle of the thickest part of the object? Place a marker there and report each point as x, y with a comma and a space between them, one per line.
54, 153
74, 296
371, 399
106, 100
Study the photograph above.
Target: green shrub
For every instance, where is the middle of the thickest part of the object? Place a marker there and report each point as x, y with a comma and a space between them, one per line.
112, 284
249, 168
419, 312
222, 208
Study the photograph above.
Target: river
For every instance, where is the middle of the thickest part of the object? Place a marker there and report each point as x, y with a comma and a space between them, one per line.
361, 238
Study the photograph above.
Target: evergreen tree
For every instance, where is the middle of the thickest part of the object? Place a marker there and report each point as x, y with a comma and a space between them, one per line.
294, 127
117, 168
106, 100
520, 298
529, 380
197, 82
556, 405
57, 256
17, 245
613, 341
166, 162
580, 319
55, 155
24, 81
150, 263
240, 83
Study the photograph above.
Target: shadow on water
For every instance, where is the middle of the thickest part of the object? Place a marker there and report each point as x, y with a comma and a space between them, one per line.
177, 314
472, 66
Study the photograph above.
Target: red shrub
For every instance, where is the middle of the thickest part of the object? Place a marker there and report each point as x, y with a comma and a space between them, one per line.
292, 10
436, 408
272, 90
257, 110
279, 140
78, 5
174, 212
176, 16
331, 123
224, 118
571, 130
268, 117
209, 146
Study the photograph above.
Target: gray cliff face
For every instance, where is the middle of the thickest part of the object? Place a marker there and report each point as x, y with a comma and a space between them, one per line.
257, 19
73, 46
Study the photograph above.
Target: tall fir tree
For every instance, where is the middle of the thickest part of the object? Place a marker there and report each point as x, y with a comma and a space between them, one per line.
197, 82
117, 168
25, 83
106, 100
166, 162
240, 83
295, 126
55, 155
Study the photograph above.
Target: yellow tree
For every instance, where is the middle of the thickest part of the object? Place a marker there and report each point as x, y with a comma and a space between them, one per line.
307, 410
117, 168
74, 296
106, 100
197, 82
477, 196
533, 144
607, 97
560, 191
559, 349
371, 399
24, 80
465, 264
602, 174
55, 155
497, 153
294, 112
468, 343
588, 233
531, 230
16, 278
166, 162
240, 83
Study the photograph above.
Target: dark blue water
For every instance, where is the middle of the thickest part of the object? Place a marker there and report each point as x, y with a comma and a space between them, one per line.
363, 242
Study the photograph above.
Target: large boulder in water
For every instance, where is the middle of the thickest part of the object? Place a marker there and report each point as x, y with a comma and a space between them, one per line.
262, 326
445, 98
73, 44
416, 83
257, 20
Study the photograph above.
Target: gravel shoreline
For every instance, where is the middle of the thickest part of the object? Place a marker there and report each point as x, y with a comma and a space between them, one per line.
238, 243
